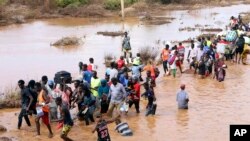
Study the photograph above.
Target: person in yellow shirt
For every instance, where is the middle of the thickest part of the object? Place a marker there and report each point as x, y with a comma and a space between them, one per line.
95, 83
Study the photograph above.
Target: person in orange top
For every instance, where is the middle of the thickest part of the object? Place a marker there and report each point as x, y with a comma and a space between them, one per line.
165, 56
150, 67
43, 100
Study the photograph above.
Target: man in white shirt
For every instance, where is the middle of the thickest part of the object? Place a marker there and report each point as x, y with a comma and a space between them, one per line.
113, 71
192, 55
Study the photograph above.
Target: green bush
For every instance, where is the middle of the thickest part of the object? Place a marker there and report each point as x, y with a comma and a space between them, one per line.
64, 3
171, 1
116, 4
3, 2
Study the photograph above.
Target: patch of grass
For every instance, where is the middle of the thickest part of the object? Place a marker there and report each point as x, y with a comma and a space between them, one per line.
116, 4
74, 3
3, 2
246, 17
11, 98
148, 54
108, 58
113, 34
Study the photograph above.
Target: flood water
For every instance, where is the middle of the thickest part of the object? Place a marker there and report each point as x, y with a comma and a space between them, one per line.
25, 52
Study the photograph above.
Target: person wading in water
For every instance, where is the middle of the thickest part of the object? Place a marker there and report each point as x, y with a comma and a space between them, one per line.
126, 47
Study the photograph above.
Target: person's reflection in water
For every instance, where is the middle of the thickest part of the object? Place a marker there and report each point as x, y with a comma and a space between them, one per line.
151, 124
182, 117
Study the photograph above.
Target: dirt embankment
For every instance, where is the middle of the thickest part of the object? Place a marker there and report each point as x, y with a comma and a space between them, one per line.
17, 13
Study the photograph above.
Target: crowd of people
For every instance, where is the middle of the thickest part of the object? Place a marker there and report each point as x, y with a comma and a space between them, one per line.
114, 95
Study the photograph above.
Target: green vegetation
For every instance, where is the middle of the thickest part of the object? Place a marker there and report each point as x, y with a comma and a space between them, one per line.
73, 3
170, 1
116, 4
148, 54
11, 99
3, 2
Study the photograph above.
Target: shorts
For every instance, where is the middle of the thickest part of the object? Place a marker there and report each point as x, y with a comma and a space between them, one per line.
239, 50
178, 63
126, 50
66, 129
45, 118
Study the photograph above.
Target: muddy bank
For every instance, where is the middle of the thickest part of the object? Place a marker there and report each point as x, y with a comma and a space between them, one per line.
200, 28
2, 129
154, 20
11, 99
67, 41
5, 139
17, 13
113, 34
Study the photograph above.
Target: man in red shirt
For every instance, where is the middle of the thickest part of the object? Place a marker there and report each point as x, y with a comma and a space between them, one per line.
121, 63
135, 94
91, 66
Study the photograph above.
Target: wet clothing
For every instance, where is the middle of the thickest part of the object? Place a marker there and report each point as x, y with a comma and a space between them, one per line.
102, 131
66, 129
182, 98
104, 106
202, 68
221, 74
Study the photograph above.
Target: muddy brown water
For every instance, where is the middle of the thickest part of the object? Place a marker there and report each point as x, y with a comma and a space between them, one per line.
25, 52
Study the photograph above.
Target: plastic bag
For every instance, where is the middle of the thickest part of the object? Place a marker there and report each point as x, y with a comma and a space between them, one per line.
39, 111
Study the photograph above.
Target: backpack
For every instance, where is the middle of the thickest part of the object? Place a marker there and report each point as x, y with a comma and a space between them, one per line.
231, 36
157, 72
171, 59
240, 42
